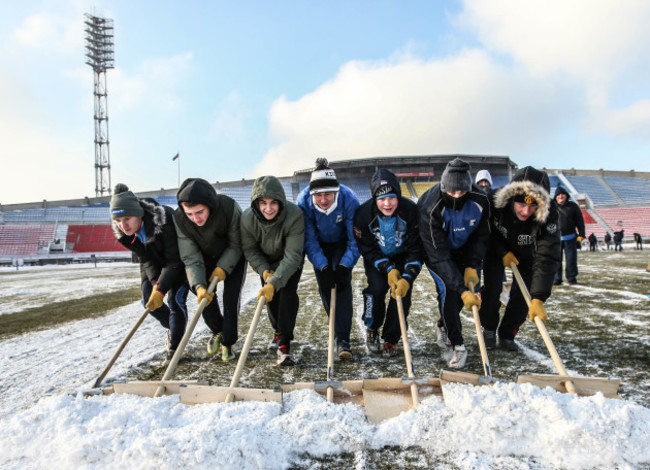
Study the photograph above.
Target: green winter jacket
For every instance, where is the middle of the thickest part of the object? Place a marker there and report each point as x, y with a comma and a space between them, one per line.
275, 245
218, 242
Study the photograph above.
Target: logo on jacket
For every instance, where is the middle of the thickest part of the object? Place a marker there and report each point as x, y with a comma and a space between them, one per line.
524, 240
339, 218
551, 228
472, 222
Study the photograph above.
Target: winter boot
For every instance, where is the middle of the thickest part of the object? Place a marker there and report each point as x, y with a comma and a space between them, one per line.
459, 357
284, 356
344, 351
509, 344
442, 338
389, 350
213, 344
372, 341
273, 345
490, 338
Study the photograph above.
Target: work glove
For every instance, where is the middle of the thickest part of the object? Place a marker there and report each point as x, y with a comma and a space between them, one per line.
510, 258
393, 278
471, 277
537, 309
267, 274
470, 300
219, 273
202, 293
402, 288
580, 239
155, 300
341, 276
327, 278
267, 292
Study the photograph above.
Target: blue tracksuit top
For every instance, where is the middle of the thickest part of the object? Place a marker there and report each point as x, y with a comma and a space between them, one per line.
332, 228
461, 224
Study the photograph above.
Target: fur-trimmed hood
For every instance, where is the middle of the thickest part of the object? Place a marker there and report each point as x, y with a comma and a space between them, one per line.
531, 182
151, 209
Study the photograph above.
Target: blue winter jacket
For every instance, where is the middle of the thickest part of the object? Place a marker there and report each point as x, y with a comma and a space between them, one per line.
331, 228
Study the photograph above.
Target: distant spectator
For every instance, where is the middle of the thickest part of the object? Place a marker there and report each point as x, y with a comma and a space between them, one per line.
638, 239
608, 240
572, 232
593, 242
618, 240
484, 180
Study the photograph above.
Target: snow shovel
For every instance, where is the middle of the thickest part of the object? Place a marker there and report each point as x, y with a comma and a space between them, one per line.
171, 368
120, 348
195, 394
583, 386
387, 398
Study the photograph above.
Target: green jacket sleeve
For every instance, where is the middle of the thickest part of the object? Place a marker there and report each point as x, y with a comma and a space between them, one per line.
192, 259
294, 235
233, 252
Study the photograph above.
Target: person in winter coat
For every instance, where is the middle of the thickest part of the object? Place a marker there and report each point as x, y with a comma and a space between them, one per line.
386, 228
273, 238
330, 245
209, 242
572, 232
638, 240
454, 228
524, 231
608, 240
618, 240
593, 242
484, 181
146, 228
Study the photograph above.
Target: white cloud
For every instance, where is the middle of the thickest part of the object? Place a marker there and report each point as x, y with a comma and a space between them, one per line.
229, 120
51, 32
632, 121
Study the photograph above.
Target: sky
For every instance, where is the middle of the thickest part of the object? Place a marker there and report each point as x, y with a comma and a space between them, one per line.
243, 89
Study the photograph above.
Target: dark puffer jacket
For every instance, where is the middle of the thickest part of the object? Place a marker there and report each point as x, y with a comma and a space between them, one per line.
159, 259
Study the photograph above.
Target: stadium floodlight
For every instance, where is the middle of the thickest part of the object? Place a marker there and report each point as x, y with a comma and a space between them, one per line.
100, 56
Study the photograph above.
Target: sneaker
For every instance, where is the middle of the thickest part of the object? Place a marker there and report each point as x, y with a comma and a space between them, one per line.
168, 357
459, 357
509, 345
273, 345
227, 353
372, 341
284, 356
344, 351
490, 338
213, 344
442, 339
389, 350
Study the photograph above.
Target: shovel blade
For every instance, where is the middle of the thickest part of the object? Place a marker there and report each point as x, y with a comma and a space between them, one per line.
147, 389
347, 391
449, 375
388, 397
585, 386
195, 394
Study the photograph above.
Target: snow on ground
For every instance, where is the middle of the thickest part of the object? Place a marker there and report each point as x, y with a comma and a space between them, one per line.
506, 425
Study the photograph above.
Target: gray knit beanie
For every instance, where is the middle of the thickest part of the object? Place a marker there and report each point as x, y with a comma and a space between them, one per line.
456, 176
124, 203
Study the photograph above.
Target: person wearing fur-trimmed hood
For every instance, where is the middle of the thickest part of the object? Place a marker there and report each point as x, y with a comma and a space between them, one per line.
524, 231
146, 228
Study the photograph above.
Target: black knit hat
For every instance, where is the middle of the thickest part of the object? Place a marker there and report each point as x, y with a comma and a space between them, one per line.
323, 178
456, 176
124, 203
560, 190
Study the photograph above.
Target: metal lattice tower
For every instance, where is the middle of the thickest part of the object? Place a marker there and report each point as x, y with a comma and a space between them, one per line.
99, 43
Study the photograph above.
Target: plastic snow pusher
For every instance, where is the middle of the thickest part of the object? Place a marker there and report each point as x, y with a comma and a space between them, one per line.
583, 386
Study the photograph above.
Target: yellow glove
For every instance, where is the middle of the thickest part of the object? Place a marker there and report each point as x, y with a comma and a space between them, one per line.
471, 277
155, 300
510, 258
580, 239
202, 293
393, 277
267, 274
470, 300
402, 288
218, 273
267, 291
537, 309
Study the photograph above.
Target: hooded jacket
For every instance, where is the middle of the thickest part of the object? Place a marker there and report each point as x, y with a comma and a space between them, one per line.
389, 242
571, 221
273, 245
454, 238
534, 241
160, 262
330, 228
217, 242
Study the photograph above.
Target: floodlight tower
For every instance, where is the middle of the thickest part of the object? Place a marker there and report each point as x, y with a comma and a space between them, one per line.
99, 43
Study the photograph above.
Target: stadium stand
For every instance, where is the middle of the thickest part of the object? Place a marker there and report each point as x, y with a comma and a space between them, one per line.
599, 194
421, 188
631, 219
359, 186
405, 191
25, 240
630, 190
92, 238
241, 194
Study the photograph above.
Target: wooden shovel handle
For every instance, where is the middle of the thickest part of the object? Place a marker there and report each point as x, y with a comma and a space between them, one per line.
330, 346
559, 365
407, 351
479, 337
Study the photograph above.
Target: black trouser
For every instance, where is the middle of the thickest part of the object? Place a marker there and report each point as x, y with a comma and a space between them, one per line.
517, 310
343, 315
375, 313
283, 309
172, 316
226, 324
450, 304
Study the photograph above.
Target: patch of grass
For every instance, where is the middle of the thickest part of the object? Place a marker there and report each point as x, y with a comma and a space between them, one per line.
53, 314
